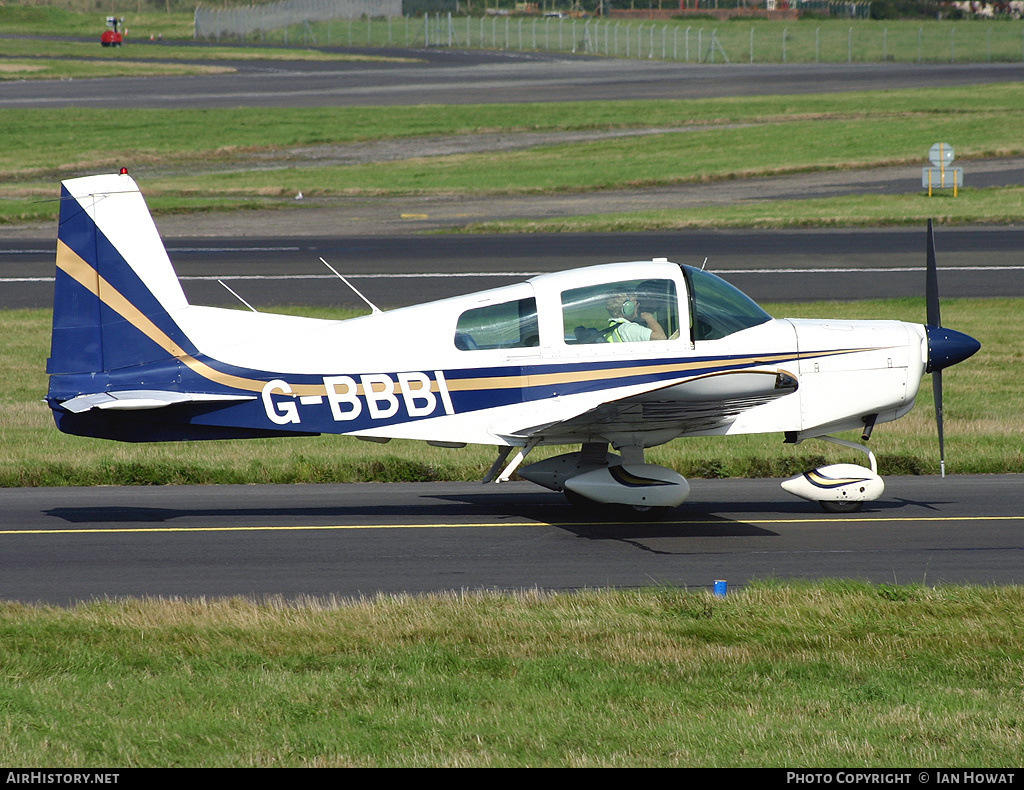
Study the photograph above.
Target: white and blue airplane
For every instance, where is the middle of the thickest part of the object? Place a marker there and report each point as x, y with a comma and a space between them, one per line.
622, 356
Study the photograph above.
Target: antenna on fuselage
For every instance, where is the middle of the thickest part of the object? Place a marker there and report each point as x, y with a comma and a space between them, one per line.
239, 298
705, 263
373, 307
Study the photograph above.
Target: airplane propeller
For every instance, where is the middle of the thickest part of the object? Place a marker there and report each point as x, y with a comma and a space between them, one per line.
945, 346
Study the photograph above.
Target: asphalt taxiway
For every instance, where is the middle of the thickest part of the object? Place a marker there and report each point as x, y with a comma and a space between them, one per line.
67, 545
437, 76
393, 271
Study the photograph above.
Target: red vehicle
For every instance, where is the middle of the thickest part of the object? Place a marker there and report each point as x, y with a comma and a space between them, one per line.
113, 37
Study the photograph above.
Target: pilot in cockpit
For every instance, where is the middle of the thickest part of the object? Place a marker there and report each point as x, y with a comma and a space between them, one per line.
624, 309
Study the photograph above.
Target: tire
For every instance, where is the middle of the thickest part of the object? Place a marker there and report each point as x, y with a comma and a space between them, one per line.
841, 506
614, 512
648, 513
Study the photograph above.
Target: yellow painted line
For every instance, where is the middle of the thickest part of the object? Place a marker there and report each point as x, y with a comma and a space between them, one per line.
296, 528
486, 525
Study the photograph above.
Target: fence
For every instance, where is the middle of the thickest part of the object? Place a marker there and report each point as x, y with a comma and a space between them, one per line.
690, 41
837, 8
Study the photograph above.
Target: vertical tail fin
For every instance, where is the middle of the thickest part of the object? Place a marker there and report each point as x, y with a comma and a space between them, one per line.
113, 280
120, 366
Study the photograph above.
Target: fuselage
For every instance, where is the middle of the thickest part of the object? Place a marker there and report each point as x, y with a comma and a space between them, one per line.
488, 367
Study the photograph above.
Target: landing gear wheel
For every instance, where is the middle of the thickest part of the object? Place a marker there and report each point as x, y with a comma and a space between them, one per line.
647, 512
610, 512
841, 507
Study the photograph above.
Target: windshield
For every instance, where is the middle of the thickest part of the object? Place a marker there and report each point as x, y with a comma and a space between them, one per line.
719, 309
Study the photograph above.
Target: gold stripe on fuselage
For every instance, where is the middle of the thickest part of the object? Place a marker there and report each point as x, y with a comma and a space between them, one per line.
83, 273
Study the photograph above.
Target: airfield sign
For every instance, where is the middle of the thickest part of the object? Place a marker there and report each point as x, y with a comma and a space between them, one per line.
940, 175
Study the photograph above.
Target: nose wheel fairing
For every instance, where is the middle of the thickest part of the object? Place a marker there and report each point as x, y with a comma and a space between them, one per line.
839, 488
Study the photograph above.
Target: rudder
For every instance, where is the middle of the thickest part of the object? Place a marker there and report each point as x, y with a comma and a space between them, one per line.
113, 280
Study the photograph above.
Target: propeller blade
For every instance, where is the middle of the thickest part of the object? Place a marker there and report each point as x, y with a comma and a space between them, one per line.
931, 283
937, 394
946, 347
931, 298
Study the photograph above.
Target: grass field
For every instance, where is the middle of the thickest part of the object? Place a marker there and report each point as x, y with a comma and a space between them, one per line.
185, 153
61, 18
214, 159
837, 674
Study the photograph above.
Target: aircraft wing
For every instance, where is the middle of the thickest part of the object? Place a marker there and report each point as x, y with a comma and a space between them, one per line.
696, 405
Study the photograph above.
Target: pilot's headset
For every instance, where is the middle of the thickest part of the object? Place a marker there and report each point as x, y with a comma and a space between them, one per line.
629, 308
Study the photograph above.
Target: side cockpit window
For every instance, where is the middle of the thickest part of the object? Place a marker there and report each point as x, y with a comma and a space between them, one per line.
621, 312
505, 325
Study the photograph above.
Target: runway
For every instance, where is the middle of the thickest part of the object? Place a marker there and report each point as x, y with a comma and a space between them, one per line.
396, 271
75, 544
474, 77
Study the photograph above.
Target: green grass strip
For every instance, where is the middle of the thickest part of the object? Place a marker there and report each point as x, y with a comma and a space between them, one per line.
32, 139
992, 206
197, 160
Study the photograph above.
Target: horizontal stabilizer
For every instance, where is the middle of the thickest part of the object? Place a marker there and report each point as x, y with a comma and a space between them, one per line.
133, 400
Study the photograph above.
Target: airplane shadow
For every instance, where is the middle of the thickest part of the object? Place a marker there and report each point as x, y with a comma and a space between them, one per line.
720, 519
614, 525
611, 522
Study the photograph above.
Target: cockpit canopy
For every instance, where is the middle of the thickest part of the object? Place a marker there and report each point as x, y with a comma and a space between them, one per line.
621, 303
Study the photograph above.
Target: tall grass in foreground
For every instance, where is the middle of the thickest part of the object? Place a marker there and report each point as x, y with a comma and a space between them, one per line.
837, 674
982, 420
